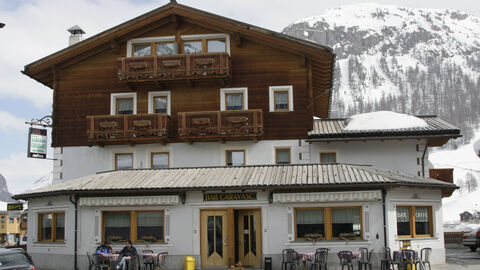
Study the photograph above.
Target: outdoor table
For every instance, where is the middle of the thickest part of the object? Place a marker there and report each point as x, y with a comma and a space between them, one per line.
306, 256
112, 258
157, 258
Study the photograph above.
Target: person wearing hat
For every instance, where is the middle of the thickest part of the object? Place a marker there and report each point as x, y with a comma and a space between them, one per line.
104, 248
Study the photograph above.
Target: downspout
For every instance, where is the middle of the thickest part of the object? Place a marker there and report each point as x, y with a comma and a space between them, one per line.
384, 195
423, 159
75, 251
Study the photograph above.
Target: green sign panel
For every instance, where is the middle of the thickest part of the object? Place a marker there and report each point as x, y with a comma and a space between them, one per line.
14, 206
240, 196
37, 143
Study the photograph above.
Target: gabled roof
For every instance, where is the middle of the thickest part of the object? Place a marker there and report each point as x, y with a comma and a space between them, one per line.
334, 130
310, 176
279, 40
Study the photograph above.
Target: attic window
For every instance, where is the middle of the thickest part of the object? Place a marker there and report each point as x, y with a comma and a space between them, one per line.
141, 47
209, 43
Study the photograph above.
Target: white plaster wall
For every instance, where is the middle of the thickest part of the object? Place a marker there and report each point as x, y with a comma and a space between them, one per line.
425, 197
389, 154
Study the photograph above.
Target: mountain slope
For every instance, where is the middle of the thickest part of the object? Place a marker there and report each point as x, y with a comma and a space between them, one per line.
415, 61
5, 195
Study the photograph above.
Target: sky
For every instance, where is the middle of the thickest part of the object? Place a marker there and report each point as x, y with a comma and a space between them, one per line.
37, 28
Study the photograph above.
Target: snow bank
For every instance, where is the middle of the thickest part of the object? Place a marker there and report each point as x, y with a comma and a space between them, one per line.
383, 120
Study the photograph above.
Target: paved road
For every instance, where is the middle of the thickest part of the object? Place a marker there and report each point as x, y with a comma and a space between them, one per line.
460, 257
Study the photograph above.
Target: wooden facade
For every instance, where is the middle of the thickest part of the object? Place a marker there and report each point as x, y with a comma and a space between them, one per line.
85, 75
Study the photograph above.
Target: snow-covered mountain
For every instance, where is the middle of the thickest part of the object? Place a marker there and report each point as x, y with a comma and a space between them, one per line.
5, 195
415, 61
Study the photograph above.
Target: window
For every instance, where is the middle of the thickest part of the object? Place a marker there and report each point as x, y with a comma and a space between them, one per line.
159, 160
281, 98
328, 158
328, 223
51, 226
208, 43
123, 103
124, 106
233, 99
282, 156
414, 221
139, 226
123, 161
141, 47
11, 220
235, 157
159, 102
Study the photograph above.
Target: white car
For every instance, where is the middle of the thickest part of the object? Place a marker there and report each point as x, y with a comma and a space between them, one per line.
23, 241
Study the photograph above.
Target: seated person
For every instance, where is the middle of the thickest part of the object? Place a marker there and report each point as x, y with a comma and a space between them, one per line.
127, 254
104, 248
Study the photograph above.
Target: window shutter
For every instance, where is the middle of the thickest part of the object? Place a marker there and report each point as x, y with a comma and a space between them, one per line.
366, 222
290, 221
167, 225
97, 229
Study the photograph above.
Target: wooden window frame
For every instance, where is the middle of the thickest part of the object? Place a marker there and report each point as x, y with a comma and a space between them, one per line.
283, 149
213, 39
327, 221
328, 153
133, 224
239, 90
54, 227
275, 92
413, 233
124, 98
155, 153
152, 48
244, 157
232, 94
122, 154
202, 41
166, 103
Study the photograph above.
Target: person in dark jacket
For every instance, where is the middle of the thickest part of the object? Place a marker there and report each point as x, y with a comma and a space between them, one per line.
104, 248
127, 254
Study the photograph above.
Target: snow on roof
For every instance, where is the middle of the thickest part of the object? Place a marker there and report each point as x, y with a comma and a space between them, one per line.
383, 120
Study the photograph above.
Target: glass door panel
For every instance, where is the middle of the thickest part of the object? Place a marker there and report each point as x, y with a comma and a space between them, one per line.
213, 238
249, 237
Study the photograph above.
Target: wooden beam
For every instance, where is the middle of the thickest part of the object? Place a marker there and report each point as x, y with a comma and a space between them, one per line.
238, 40
303, 60
175, 20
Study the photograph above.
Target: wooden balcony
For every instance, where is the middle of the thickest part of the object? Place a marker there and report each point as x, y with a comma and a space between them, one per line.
220, 125
127, 128
445, 175
175, 67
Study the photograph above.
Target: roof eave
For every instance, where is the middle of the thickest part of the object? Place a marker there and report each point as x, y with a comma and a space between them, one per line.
342, 137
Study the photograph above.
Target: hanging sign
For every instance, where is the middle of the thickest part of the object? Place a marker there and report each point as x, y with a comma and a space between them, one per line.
239, 196
37, 143
14, 206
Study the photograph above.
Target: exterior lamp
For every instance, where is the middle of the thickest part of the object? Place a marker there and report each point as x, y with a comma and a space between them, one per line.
2, 25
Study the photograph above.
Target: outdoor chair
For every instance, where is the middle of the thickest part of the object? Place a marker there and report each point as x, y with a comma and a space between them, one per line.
320, 262
365, 259
148, 261
289, 259
161, 259
90, 262
408, 258
346, 258
397, 260
425, 258
385, 258
99, 262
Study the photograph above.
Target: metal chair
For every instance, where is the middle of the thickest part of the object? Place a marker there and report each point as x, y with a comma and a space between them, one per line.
320, 262
161, 259
365, 259
99, 262
425, 258
408, 258
346, 258
148, 261
289, 259
90, 262
397, 260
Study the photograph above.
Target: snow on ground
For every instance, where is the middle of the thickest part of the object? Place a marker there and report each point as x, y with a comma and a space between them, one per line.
463, 160
476, 147
382, 120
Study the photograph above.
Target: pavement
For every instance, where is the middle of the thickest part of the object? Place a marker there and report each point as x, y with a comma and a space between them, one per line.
460, 257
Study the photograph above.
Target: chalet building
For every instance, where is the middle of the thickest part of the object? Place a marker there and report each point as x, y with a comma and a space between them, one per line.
202, 136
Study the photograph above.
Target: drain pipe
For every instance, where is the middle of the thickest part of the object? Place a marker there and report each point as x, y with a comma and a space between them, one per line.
75, 251
384, 194
423, 159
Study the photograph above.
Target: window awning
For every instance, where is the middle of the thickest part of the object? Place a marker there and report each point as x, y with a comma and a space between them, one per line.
350, 196
129, 201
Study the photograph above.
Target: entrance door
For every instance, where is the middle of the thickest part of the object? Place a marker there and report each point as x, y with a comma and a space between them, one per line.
214, 237
249, 237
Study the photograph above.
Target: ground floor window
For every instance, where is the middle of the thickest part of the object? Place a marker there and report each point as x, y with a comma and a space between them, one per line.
328, 223
139, 226
414, 221
51, 226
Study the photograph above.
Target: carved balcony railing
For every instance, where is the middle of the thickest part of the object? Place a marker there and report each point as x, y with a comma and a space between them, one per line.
174, 67
127, 128
221, 125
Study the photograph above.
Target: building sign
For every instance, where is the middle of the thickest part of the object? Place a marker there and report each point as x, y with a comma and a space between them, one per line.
240, 196
37, 143
14, 206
